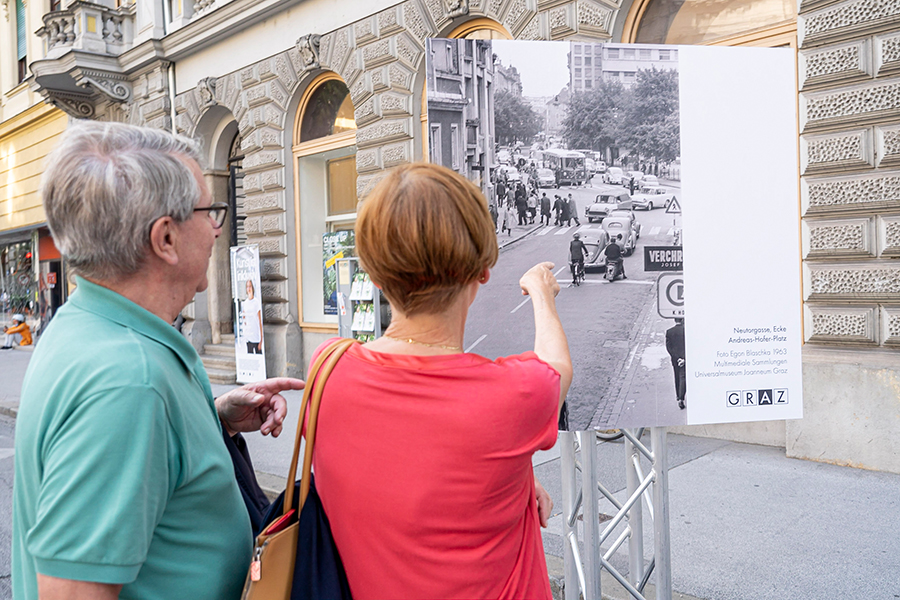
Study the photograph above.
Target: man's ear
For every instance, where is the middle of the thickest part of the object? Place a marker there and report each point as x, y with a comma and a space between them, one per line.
164, 240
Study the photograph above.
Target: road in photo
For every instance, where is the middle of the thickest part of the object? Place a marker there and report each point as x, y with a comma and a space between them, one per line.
623, 373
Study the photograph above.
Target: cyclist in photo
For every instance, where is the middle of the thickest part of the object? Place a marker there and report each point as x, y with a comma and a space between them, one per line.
577, 253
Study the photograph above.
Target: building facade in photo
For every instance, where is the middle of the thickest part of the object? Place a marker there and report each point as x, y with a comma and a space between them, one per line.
32, 279
303, 105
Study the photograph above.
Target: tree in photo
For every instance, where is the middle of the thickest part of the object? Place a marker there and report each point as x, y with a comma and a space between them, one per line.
514, 119
592, 117
650, 123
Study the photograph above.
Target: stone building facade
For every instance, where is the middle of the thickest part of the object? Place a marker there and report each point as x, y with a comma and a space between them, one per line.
238, 69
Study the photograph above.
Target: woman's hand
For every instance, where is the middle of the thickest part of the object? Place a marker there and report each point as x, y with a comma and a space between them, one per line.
257, 405
544, 502
539, 279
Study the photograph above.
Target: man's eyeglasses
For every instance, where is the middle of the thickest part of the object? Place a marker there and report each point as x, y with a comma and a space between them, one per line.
217, 212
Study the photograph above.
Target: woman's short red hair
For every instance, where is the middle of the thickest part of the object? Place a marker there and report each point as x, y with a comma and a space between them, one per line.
423, 234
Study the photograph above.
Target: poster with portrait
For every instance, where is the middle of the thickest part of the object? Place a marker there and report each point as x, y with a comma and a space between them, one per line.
676, 167
335, 246
249, 346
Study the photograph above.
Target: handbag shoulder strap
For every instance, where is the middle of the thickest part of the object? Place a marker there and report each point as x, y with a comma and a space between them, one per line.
312, 398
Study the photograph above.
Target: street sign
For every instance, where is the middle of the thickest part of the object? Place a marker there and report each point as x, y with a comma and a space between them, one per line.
674, 207
670, 295
662, 258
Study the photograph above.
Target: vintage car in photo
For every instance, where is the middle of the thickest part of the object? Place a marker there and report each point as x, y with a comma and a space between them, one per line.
600, 165
512, 173
652, 196
613, 175
595, 242
605, 203
546, 178
649, 180
504, 157
637, 176
629, 214
616, 226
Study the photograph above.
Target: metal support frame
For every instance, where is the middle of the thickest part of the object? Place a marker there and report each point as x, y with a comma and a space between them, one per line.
584, 561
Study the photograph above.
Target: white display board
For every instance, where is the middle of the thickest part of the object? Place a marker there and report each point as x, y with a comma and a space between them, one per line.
724, 255
249, 349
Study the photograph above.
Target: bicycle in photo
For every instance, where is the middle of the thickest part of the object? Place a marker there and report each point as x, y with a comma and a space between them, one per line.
577, 269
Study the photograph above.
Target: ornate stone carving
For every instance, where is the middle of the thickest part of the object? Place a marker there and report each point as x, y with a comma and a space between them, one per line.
857, 192
594, 15
888, 146
400, 77
367, 160
341, 45
888, 54
457, 8
890, 236
366, 30
839, 238
890, 317
378, 53
517, 11
206, 89
853, 105
847, 325
114, 87
382, 132
257, 203
408, 50
852, 282
79, 107
395, 154
835, 64
847, 18
532, 31
852, 150
308, 46
415, 22
389, 20
562, 21
493, 8
394, 104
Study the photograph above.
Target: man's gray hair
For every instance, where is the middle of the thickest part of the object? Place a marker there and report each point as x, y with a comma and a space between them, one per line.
106, 184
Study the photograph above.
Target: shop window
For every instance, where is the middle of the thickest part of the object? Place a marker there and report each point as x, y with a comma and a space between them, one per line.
325, 186
729, 22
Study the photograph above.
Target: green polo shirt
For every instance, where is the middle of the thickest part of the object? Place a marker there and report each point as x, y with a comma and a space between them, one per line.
121, 473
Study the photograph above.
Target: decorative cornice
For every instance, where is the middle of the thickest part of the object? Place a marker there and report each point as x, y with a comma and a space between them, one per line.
112, 85
80, 107
206, 89
308, 46
458, 8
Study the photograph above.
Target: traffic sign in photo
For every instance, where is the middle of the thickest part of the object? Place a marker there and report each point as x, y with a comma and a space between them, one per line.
670, 295
674, 207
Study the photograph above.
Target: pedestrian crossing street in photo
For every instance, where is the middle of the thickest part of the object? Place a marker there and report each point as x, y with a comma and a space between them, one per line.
596, 228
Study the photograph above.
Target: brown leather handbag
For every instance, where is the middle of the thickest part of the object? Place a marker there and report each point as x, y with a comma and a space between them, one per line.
275, 556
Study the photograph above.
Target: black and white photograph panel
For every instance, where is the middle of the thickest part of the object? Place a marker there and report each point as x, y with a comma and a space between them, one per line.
576, 147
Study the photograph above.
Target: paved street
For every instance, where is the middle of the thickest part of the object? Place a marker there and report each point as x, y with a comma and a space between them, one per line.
623, 374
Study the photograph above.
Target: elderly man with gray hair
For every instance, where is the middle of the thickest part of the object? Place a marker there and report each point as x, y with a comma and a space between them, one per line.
123, 485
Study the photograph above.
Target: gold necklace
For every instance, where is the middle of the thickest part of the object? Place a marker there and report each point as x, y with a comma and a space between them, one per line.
414, 342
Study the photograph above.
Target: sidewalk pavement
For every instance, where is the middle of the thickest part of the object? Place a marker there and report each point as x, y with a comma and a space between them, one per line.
746, 523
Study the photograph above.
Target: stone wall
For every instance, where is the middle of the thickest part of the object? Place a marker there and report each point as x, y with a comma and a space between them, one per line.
850, 166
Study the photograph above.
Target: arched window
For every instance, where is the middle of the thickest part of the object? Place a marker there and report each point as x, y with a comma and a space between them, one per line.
719, 22
324, 152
